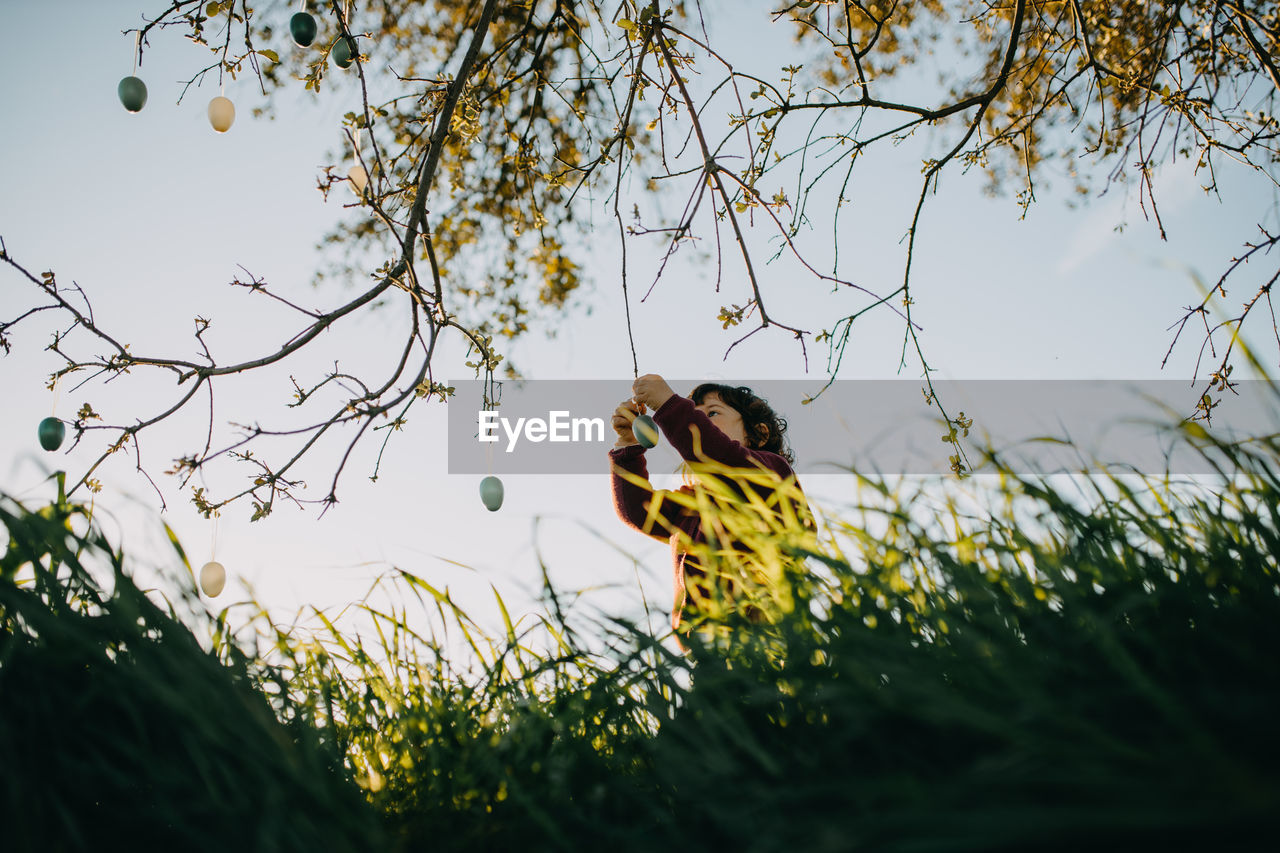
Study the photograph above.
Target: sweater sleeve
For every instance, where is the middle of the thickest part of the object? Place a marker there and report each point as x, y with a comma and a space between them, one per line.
633, 501
696, 438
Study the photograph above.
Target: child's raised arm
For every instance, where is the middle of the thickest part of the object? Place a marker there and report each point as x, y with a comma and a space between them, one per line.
697, 439
634, 498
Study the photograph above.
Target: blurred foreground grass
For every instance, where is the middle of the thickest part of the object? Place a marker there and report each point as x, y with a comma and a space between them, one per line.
1047, 672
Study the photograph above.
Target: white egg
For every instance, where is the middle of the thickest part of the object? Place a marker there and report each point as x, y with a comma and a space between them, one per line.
221, 114
358, 177
213, 577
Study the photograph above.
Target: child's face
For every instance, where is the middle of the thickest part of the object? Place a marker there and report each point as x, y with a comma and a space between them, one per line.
725, 417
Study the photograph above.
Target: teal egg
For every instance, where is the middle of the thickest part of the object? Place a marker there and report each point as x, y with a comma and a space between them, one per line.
133, 94
52, 432
303, 29
645, 431
491, 493
343, 53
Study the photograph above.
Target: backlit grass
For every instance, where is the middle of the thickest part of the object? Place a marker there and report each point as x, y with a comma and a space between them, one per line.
1045, 671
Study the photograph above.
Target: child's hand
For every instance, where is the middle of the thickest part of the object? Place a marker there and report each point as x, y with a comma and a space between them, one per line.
623, 416
651, 390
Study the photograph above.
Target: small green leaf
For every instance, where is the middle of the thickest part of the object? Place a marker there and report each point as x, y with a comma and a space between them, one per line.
269, 54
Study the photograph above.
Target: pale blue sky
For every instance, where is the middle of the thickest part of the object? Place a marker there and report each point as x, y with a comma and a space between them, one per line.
152, 213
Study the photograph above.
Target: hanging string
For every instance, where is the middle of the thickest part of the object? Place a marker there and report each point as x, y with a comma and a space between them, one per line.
137, 47
213, 539
57, 381
491, 401
650, 427
626, 304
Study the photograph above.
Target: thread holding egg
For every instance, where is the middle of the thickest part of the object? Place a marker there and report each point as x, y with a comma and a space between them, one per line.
131, 90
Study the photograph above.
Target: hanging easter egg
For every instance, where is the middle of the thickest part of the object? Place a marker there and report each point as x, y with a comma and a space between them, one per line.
133, 94
303, 29
213, 577
645, 431
52, 432
344, 52
221, 114
491, 493
358, 177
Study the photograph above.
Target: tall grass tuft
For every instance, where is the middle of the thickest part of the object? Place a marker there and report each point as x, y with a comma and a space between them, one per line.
119, 730
1018, 668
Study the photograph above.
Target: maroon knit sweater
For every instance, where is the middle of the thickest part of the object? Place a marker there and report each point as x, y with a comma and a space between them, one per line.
686, 429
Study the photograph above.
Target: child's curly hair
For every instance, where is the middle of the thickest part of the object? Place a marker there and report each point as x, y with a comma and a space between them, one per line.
765, 429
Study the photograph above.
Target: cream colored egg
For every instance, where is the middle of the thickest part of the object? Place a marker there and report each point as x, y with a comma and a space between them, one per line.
213, 577
358, 177
221, 114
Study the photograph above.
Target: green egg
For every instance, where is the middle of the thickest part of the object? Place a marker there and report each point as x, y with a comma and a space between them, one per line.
645, 431
491, 493
303, 29
133, 94
52, 431
343, 52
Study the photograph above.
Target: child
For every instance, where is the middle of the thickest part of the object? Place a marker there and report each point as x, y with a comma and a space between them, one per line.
740, 441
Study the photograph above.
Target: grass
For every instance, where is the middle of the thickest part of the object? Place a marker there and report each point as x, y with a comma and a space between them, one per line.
1042, 672
119, 730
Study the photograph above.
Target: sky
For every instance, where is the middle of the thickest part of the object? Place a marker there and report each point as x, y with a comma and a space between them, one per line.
152, 214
